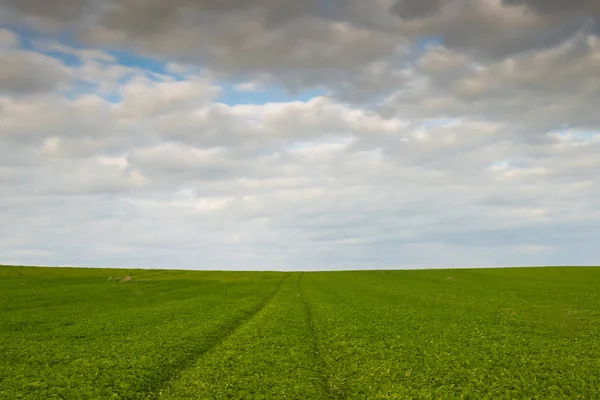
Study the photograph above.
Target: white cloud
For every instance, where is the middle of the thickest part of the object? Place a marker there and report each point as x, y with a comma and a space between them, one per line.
82, 54
143, 98
249, 87
8, 39
341, 188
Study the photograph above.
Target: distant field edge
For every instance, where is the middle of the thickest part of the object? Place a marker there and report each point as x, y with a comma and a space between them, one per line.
407, 268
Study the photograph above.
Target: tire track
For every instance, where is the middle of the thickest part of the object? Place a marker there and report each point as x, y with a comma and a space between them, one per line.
214, 340
319, 361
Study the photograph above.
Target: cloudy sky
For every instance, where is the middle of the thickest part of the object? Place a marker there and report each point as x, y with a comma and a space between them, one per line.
286, 134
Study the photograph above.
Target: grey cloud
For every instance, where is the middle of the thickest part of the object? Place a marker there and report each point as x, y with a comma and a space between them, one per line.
349, 49
49, 16
62, 10
537, 91
295, 44
147, 17
173, 165
243, 44
559, 6
498, 29
24, 72
411, 9
308, 47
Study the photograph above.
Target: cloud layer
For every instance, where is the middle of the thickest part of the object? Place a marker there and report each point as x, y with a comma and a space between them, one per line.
299, 135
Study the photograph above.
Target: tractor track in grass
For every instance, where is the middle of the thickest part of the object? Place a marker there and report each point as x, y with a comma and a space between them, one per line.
319, 361
216, 339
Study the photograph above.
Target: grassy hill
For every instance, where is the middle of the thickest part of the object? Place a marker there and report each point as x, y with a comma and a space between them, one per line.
476, 333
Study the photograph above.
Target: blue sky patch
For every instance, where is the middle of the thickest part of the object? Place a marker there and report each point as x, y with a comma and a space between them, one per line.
271, 94
422, 42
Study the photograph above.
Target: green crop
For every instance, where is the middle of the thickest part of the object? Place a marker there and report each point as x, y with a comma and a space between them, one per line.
69, 333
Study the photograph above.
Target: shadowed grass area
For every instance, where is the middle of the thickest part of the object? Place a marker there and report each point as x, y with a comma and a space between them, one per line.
474, 333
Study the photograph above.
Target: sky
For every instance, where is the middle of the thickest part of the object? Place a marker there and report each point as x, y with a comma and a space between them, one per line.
299, 135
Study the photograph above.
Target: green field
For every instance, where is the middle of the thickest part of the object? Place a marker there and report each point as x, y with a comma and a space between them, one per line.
479, 333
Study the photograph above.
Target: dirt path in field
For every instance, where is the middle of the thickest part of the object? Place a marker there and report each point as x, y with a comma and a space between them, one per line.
222, 335
319, 362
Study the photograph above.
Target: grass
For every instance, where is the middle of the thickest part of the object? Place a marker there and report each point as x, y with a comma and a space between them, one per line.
465, 334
